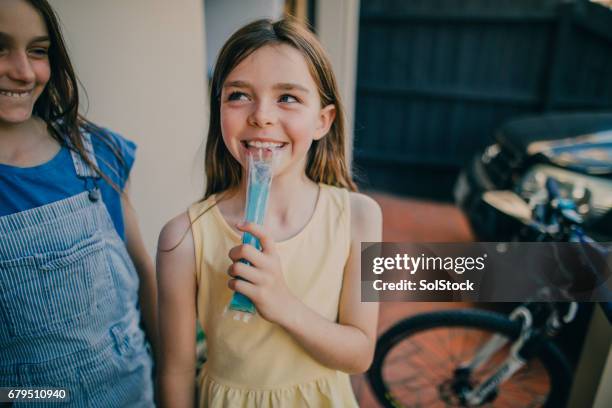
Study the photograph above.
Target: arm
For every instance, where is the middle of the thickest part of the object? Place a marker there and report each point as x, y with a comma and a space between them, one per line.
147, 293
347, 345
177, 314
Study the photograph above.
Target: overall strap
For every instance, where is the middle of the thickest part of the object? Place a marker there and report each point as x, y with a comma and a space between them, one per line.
85, 171
81, 167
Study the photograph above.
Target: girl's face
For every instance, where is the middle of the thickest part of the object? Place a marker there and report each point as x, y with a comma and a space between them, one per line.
271, 100
24, 62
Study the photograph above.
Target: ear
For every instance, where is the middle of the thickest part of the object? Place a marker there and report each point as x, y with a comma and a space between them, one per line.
326, 119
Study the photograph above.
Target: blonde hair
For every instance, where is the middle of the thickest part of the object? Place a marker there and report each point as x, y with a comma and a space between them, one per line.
326, 161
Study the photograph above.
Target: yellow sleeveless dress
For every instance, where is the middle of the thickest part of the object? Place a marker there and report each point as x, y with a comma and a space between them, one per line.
257, 363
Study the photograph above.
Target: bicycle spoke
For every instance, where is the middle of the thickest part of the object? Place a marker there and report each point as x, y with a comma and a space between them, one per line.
404, 394
475, 340
404, 383
460, 345
424, 372
449, 352
427, 368
424, 365
526, 374
429, 403
440, 361
501, 405
462, 348
451, 346
528, 377
415, 389
519, 401
525, 386
524, 391
441, 345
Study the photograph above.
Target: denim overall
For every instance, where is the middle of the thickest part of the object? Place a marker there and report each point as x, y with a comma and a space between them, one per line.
69, 315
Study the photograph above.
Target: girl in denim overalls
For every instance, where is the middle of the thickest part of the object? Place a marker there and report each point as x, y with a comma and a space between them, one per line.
69, 291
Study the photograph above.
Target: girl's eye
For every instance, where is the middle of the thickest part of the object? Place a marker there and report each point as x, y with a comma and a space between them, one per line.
237, 96
39, 52
288, 99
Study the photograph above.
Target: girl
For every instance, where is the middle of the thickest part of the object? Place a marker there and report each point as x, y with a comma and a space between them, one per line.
69, 240
272, 84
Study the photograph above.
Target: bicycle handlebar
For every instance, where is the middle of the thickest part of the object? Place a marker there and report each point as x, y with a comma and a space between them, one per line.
552, 186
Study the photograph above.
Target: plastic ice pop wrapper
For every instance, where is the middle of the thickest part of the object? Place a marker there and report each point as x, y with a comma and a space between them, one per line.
258, 189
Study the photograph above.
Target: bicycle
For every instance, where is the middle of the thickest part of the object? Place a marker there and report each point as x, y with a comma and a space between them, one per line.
493, 359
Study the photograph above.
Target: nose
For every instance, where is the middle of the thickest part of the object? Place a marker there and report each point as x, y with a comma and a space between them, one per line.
263, 115
20, 68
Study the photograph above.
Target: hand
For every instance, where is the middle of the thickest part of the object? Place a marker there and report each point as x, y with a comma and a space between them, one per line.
264, 282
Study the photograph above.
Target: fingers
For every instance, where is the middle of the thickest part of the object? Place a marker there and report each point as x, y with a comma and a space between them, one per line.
267, 243
246, 252
244, 271
246, 288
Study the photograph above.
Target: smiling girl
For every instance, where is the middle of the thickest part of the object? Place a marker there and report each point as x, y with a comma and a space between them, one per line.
69, 241
273, 87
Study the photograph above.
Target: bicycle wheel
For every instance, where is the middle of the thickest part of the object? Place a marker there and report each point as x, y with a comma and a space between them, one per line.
415, 362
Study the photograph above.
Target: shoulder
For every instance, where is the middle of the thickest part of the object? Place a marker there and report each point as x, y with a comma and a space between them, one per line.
362, 204
366, 217
176, 262
176, 237
110, 140
115, 153
365, 213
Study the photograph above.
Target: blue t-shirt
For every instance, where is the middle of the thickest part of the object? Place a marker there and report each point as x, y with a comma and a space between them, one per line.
23, 188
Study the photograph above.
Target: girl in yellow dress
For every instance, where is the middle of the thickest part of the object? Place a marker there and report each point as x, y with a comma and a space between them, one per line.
273, 86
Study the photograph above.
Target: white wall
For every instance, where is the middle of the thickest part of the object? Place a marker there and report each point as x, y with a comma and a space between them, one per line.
142, 63
223, 17
337, 23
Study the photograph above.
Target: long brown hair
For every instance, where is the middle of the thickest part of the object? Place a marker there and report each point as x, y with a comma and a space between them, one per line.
326, 159
59, 102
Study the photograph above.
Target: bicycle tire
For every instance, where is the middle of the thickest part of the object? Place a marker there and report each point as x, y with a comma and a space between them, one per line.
553, 361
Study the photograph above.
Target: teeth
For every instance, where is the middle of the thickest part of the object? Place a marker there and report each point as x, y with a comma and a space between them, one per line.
15, 94
264, 145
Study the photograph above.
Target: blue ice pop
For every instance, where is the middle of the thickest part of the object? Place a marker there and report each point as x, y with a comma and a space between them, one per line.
258, 189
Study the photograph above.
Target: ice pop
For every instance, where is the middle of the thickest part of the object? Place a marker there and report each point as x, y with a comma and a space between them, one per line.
258, 188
